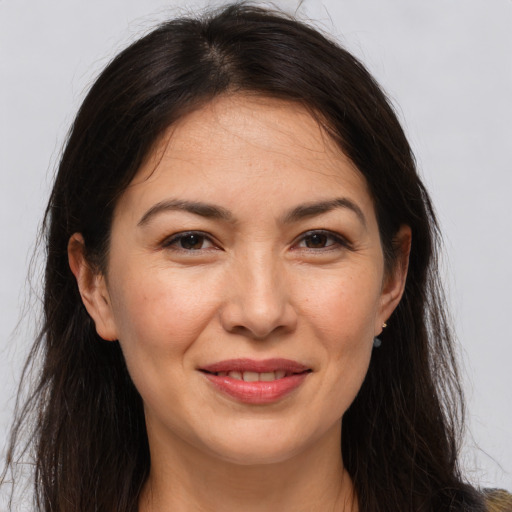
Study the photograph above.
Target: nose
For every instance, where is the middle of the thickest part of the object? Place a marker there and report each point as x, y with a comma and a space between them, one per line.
258, 300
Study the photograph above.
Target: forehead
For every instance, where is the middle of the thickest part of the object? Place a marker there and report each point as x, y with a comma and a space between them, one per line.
239, 144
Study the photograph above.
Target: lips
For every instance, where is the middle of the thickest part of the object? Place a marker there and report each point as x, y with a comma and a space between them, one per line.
256, 382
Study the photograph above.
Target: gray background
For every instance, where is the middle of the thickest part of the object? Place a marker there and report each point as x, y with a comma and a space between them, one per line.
446, 64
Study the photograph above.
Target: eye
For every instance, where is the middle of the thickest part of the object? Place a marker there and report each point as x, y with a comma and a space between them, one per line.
317, 241
190, 241
321, 240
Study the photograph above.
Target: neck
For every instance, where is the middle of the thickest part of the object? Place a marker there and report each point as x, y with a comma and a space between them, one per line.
183, 479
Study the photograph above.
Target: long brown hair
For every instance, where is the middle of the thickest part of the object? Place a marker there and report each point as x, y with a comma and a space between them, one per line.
401, 434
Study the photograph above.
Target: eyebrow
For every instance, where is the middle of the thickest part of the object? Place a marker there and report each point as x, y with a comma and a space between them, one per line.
211, 211
313, 209
206, 210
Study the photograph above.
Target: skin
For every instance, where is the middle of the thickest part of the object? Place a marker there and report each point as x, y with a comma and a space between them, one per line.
257, 285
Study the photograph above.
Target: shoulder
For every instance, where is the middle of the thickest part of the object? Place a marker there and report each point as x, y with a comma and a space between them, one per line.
498, 500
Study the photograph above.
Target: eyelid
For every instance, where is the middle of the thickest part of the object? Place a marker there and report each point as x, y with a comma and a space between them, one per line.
340, 240
170, 241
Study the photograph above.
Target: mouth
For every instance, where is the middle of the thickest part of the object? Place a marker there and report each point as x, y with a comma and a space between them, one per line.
248, 376
256, 382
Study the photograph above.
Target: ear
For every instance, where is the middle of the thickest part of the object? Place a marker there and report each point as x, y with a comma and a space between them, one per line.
394, 280
93, 289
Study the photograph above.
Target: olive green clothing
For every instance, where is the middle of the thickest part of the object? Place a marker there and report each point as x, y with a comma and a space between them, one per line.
498, 500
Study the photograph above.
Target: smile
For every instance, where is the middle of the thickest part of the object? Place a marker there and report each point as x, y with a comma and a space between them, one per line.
254, 376
256, 382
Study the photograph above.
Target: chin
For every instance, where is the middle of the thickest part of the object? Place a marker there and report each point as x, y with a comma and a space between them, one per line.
252, 453
271, 444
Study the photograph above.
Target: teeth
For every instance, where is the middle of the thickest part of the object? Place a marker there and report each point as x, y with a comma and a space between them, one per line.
254, 376
251, 377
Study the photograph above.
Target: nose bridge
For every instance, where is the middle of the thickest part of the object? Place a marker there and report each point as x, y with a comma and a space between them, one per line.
258, 301
264, 282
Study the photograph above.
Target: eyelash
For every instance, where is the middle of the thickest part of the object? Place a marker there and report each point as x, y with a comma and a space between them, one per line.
172, 242
337, 241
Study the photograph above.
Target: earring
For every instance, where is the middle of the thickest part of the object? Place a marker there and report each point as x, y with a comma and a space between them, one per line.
377, 342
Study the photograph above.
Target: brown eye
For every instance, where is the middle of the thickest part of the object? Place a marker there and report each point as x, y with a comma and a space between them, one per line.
188, 242
192, 242
320, 239
317, 241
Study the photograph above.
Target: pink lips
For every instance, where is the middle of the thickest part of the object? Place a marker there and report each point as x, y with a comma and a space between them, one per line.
288, 375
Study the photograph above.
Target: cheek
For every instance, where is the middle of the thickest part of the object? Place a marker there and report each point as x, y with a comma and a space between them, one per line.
161, 313
341, 307
159, 319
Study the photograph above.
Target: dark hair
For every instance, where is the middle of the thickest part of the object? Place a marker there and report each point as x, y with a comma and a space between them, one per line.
400, 435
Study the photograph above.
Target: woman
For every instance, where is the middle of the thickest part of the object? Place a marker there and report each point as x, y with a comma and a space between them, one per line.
241, 302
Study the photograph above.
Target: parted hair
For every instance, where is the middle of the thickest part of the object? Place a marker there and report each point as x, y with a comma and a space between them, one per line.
88, 438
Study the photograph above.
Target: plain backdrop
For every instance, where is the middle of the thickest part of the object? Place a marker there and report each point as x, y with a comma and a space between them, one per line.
447, 66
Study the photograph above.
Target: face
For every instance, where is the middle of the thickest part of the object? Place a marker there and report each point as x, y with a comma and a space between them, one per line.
245, 282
